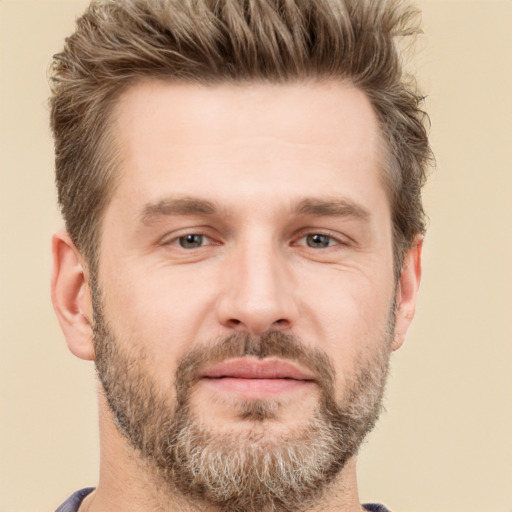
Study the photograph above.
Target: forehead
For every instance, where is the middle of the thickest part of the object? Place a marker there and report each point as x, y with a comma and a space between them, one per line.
307, 112
263, 138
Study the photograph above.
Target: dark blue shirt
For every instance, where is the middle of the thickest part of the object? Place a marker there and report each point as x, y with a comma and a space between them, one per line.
73, 502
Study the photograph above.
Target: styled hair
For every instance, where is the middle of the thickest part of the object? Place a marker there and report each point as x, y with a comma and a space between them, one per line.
120, 42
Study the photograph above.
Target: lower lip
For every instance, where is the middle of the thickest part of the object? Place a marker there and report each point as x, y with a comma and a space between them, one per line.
256, 387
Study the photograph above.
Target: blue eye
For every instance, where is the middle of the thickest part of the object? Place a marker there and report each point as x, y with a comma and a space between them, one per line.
192, 241
319, 241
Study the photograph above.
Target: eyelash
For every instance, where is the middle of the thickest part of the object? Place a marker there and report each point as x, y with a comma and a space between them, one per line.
176, 240
332, 241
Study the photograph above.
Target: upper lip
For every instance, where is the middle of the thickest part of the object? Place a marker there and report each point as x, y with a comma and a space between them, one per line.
248, 368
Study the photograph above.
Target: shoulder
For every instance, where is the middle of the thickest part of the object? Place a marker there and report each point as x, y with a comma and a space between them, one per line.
375, 507
74, 501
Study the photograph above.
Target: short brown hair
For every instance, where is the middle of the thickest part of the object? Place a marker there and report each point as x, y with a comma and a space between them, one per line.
118, 42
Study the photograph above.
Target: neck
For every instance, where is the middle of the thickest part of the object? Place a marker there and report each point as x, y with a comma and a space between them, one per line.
130, 484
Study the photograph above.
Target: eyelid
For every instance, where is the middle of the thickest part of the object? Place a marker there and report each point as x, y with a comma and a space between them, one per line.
172, 239
337, 237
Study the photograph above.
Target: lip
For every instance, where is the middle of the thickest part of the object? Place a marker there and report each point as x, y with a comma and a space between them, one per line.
257, 369
257, 379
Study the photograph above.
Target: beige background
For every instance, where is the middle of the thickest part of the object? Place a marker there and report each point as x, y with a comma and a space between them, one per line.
445, 443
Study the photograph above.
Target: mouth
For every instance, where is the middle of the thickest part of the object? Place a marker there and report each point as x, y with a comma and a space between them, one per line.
257, 378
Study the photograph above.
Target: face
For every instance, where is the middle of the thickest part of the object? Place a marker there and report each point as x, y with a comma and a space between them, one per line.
244, 296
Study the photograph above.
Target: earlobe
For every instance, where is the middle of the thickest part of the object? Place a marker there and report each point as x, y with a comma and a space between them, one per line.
407, 292
71, 296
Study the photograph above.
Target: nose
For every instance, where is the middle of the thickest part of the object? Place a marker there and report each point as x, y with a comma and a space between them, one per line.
257, 293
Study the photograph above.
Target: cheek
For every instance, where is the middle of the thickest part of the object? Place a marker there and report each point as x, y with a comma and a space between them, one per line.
349, 319
163, 309
158, 310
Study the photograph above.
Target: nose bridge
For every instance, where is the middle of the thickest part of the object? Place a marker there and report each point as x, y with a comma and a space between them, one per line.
258, 288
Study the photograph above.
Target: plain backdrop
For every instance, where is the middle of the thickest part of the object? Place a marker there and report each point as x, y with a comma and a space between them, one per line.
445, 442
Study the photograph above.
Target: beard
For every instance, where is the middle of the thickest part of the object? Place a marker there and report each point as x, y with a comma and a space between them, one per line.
250, 469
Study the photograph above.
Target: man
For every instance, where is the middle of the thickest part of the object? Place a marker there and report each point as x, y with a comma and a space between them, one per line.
240, 182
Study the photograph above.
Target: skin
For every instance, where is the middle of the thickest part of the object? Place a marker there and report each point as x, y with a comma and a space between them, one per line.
257, 154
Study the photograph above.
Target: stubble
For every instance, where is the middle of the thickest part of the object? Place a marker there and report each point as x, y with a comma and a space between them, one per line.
249, 470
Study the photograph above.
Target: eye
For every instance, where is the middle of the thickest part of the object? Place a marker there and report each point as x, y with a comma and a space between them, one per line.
193, 241
318, 241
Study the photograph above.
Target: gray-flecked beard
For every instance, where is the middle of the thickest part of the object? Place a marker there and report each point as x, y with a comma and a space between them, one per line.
252, 469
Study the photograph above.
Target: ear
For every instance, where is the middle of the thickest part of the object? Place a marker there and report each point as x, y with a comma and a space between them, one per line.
407, 292
71, 296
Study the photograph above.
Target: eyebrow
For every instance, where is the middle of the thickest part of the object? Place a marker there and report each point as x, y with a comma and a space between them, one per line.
177, 206
338, 207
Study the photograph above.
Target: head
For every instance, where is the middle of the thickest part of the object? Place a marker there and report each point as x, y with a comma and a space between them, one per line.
240, 182
118, 44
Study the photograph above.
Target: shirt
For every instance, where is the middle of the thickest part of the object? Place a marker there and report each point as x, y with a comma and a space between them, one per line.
73, 502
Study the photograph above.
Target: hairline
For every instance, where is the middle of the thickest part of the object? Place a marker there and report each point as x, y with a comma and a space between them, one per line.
387, 164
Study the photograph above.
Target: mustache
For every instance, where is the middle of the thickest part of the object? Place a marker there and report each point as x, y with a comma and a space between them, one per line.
272, 343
